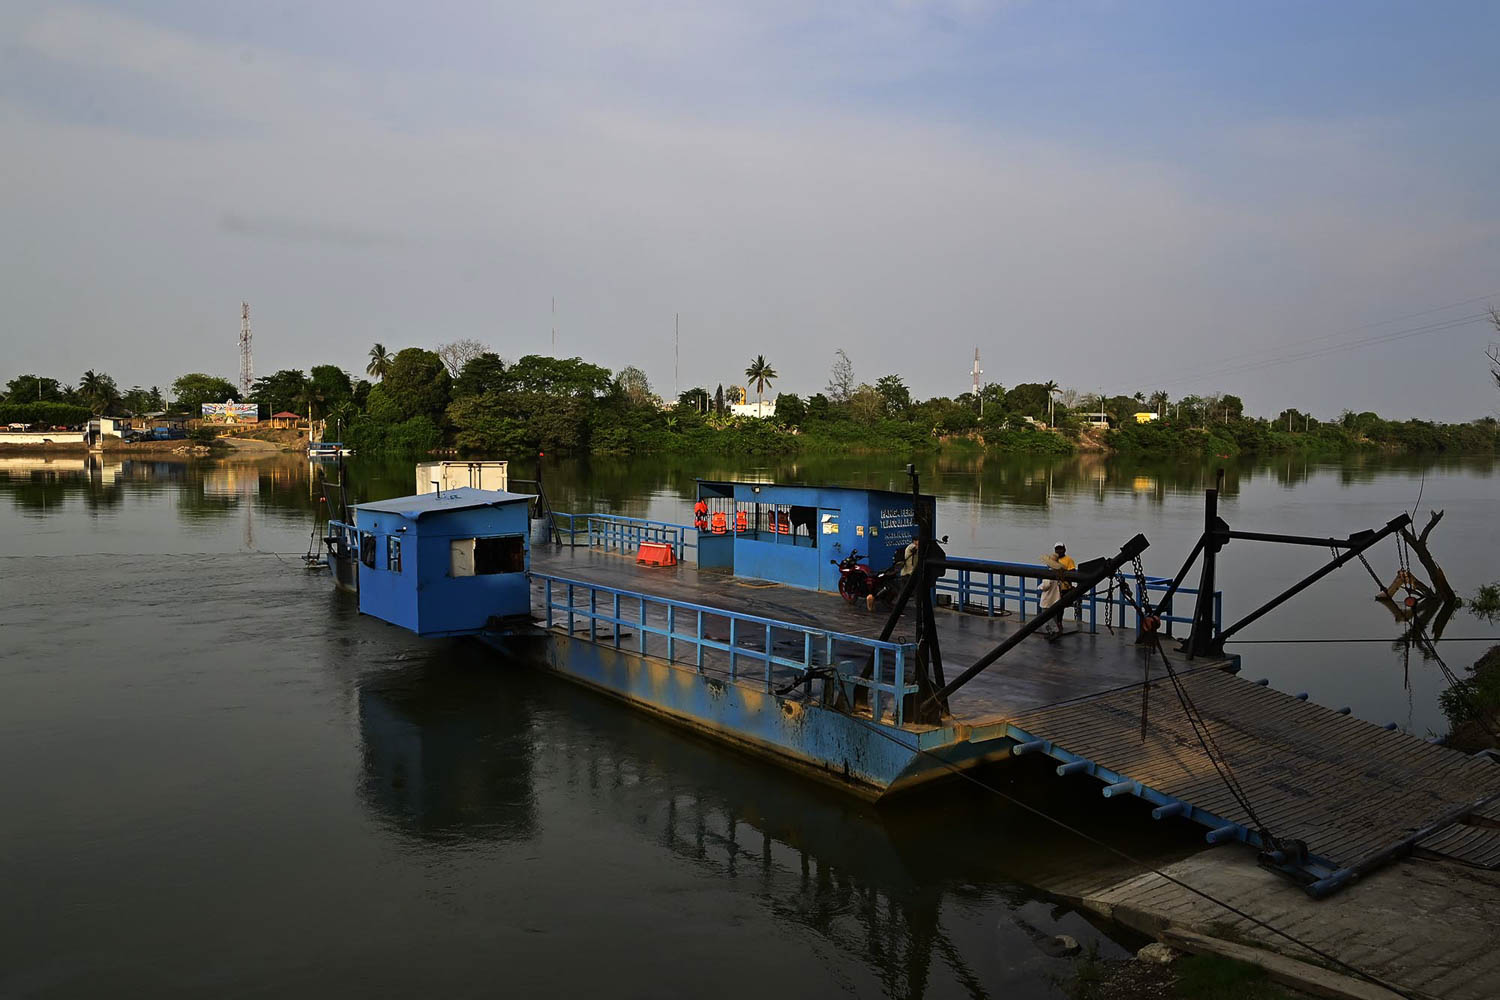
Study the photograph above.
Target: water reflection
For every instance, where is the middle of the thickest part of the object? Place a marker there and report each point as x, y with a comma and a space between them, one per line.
993, 506
632, 486
446, 754
928, 897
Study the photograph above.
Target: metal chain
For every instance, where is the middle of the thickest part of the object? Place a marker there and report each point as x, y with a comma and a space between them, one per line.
1109, 607
1140, 586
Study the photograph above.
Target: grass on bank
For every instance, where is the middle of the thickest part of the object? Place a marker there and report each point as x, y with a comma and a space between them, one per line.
1193, 977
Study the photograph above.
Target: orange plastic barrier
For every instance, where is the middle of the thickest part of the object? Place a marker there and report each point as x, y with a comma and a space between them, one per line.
656, 554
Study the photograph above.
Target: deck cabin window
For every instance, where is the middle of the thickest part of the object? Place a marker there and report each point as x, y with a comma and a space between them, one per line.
367, 548
487, 556
393, 553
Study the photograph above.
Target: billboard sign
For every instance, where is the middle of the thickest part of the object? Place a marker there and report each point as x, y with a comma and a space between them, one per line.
231, 413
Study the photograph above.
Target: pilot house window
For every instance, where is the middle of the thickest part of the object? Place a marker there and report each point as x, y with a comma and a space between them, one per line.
393, 554
487, 556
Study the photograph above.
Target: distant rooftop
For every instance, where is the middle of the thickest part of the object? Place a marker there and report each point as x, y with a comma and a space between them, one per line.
286, 413
461, 498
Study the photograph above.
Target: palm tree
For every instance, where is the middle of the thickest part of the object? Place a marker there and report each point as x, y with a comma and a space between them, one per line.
380, 362
1159, 401
98, 390
309, 397
762, 374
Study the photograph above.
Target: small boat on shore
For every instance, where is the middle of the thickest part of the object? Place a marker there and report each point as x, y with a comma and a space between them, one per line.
328, 449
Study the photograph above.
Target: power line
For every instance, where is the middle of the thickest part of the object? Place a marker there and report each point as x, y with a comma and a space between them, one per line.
960, 772
1384, 338
1466, 638
1248, 355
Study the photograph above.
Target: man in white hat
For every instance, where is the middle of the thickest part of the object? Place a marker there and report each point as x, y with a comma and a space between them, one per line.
1053, 590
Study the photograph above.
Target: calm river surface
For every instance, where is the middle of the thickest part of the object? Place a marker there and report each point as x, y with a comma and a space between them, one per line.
220, 779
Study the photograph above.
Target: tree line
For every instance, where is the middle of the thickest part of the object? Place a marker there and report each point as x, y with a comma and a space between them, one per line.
464, 395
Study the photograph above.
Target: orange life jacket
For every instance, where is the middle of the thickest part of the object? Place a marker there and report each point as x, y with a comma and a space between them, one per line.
720, 523
741, 522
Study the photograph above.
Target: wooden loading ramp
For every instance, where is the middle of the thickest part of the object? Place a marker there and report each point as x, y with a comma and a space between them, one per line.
1354, 793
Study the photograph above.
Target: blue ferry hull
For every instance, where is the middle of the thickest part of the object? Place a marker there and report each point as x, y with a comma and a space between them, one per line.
828, 745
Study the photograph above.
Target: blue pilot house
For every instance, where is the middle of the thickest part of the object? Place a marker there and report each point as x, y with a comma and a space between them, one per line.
445, 563
795, 534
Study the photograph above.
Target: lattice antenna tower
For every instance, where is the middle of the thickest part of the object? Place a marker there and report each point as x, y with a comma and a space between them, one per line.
977, 371
247, 366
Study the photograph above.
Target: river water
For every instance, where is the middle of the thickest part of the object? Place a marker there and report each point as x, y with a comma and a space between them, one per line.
221, 779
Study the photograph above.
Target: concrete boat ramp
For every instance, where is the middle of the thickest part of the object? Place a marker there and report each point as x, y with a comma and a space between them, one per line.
1349, 793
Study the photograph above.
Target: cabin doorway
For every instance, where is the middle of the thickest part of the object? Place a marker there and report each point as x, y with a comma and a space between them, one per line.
829, 541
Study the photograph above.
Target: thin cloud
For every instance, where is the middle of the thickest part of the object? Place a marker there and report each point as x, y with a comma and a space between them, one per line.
691, 162
302, 231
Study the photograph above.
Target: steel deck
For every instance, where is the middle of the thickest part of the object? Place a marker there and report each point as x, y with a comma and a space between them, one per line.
1355, 793
1037, 673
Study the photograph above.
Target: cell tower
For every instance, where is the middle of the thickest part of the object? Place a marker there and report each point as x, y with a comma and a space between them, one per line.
976, 372
247, 367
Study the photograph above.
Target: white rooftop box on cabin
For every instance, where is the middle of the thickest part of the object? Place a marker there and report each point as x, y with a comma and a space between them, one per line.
443, 476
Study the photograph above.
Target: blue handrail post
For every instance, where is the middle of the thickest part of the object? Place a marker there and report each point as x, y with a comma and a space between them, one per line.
768, 659
547, 599
570, 609
732, 645
875, 689
699, 642
593, 615
900, 687
643, 624
671, 629
618, 620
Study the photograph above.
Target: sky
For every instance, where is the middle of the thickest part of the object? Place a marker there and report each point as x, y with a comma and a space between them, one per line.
1292, 202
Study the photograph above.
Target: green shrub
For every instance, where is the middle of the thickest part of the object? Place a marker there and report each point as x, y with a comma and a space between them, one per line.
44, 413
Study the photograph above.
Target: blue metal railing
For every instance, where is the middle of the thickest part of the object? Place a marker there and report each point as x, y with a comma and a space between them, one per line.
615, 532
676, 624
995, 592
348, 532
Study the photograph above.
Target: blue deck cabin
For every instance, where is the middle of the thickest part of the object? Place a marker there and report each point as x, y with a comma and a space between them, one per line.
445, 563
795, 534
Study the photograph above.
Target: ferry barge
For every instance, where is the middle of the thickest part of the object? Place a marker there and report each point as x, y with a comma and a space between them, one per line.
737, 631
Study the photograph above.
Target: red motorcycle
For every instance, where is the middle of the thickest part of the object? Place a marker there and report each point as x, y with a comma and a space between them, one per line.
857, 581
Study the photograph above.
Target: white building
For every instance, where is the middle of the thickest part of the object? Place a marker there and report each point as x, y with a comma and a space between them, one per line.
765, 408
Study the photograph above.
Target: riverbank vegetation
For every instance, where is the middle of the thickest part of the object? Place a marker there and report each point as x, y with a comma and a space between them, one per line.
1473, 705
467, 398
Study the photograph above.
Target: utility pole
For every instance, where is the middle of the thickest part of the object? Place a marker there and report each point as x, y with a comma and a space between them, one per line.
247, 368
